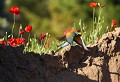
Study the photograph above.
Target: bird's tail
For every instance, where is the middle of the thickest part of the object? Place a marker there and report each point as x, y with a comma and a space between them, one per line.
62, 46
58, 49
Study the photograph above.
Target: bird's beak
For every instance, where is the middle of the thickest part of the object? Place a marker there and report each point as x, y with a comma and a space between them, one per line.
80, 33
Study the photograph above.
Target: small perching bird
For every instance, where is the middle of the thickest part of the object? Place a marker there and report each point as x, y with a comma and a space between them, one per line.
70, 36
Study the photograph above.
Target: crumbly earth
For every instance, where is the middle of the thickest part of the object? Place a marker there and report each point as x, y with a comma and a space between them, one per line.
72, 64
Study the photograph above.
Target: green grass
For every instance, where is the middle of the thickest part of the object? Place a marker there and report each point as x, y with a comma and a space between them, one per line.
92, 35
38, 46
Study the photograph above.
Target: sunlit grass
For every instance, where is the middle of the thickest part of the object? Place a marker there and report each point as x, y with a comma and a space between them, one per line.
37, 46
92, 35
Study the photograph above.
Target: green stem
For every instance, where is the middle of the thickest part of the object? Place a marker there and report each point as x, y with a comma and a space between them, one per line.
20, 28
99, 24
21, 36
40, 44
46, 40
93, 23
100, 11
74, 25
6, 38
13, 26
28, 37
111, 28
93, 17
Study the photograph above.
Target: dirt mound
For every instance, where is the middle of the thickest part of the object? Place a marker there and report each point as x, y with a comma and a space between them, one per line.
72, 64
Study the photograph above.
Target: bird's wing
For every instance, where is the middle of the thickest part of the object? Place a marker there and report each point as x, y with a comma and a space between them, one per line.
78, 39
63, 38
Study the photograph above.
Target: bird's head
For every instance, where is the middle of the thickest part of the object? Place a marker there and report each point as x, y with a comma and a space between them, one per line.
71, 30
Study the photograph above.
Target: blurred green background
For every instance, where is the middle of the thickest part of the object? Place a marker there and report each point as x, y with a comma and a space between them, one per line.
54, 16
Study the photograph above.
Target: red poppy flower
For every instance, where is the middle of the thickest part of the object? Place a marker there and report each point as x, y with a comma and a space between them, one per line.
15, 10
93, 4
3, 43
114, 22
20, 41
16, 41
47, 45
28, 28
42, 36
21, 32
12, 42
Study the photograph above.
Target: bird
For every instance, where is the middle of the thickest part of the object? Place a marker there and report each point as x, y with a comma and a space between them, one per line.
69, 37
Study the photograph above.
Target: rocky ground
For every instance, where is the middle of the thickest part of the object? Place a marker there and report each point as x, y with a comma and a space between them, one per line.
72, 64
